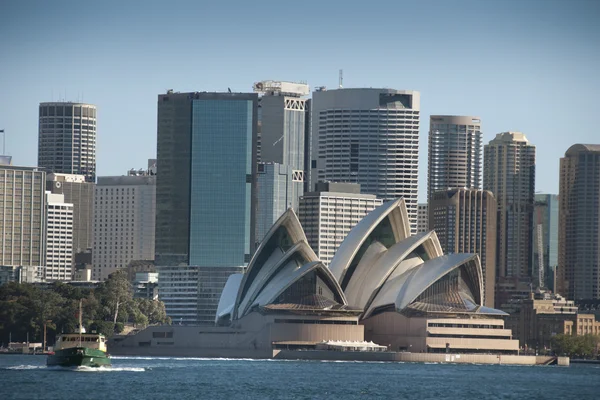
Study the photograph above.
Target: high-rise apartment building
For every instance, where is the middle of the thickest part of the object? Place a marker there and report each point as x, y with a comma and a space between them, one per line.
422, 218
59, 238
545, 240
22, 215
205, 193
330, 212
80, 193
465, 222
369, 137
124, 222
509, 173
454, 153
579, 223
282, 129
67, 138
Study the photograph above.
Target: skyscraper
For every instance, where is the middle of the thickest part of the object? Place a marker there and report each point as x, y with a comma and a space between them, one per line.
124, 222
465, 222
205, 190
509, 173
330, 212
454, 157
22, 216
282, 122
579, 223
59, 238
67, 138
545, 239
80, 193
369, 137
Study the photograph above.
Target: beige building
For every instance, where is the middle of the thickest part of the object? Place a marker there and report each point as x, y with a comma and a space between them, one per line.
509, 173
22, 215
124, 220
81, 194
465, 222
329, 213
539, 319
59, 238
578, 275
454, 153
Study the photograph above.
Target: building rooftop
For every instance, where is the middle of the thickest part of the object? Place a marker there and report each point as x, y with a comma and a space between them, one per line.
509, 137
582, 148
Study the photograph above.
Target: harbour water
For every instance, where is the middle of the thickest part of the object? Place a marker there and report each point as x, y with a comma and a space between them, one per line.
27, 377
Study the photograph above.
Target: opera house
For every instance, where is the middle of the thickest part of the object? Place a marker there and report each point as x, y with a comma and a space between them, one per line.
382, 286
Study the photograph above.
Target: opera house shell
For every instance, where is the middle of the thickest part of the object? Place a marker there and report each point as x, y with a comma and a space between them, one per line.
382, 285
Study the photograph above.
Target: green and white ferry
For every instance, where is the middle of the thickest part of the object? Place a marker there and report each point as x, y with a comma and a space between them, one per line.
79, 349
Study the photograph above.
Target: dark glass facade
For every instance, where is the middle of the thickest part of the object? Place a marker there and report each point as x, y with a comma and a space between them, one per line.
206, 155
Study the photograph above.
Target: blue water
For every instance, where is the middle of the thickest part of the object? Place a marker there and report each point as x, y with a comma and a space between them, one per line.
27, 377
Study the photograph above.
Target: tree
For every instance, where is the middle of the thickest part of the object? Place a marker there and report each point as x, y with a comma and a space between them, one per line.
116, 291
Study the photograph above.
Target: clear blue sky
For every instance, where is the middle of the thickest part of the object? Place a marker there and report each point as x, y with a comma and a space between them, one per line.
531, 66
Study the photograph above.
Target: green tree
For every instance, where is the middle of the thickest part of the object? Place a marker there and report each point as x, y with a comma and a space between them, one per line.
116, 292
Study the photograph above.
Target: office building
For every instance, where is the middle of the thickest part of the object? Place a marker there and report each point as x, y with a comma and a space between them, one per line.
22, 216
80, 193
67, 138
330, 212
59, 238
422, 218
509, 173
455, 153
579, 216
369, 137
277, 190
465, 222
281, 130
124, 222
545, 240
282, 119
206, 181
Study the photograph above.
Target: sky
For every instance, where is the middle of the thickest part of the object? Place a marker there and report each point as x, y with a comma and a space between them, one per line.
520, 65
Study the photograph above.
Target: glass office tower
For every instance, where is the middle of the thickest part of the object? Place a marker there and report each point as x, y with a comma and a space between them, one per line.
221, 181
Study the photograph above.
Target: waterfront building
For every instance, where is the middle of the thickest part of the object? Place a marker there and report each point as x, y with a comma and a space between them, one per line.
59, 238
545, 240
454, 153
67, 138
369, 137
414, 296
579, 216
80, 193
465, 222
509, 173
124, 221
22, 216
422, 218
330, 212
205, 193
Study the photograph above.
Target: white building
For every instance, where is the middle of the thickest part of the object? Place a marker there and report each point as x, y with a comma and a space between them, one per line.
369, 137
329, 213
124, 214
59, 238
422, 218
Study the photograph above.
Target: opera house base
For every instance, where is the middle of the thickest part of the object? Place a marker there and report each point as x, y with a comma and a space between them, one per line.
226, 342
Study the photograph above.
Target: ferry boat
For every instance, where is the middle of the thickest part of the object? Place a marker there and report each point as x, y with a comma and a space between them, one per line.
79, 349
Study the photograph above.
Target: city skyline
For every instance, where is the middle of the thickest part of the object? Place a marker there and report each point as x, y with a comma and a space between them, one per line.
553, 50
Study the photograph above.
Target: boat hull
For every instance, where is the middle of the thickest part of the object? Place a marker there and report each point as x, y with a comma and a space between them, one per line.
79, 357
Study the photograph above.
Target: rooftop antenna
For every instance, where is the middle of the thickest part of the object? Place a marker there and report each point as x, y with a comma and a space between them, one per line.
341, 82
